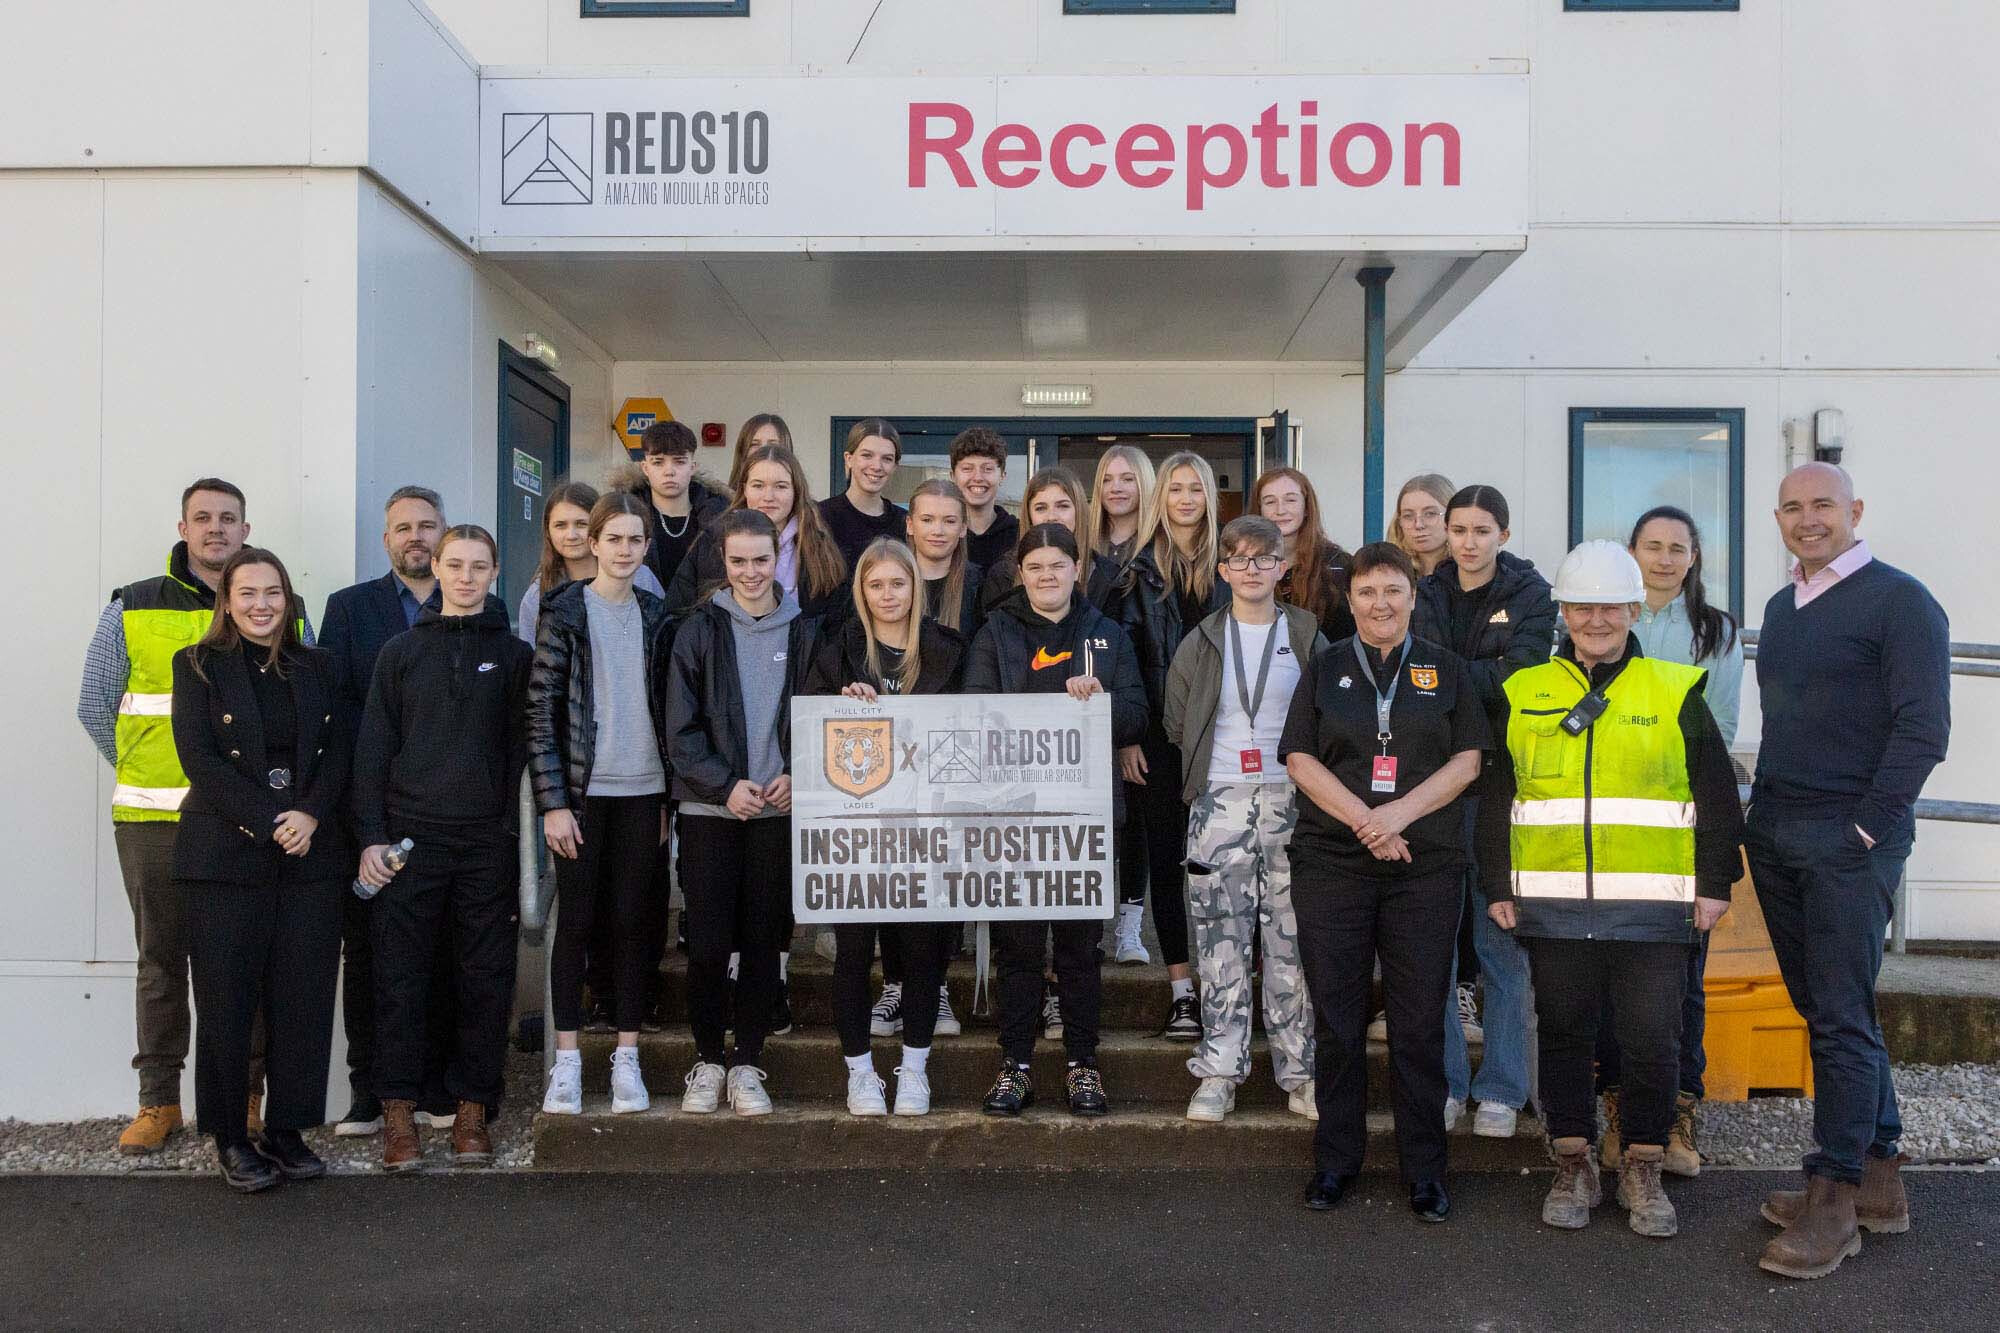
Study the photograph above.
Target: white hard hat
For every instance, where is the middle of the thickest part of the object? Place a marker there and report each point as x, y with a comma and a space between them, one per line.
1599, 572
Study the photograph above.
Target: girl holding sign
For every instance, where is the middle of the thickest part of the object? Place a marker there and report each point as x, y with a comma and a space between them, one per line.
1170, 588
1045, 638
736, 661
889, 647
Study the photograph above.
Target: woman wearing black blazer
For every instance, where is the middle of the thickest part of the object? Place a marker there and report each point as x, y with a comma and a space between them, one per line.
262, 866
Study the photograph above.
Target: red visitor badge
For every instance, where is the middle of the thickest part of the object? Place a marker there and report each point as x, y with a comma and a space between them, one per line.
1383, 774
1252, 760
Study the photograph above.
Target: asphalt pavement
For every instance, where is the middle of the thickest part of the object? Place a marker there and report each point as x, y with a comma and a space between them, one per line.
945, 1250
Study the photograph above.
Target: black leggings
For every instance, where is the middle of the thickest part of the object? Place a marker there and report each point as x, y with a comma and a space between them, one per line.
1156, 853
736, 878
612, 872
895, 941
922, 945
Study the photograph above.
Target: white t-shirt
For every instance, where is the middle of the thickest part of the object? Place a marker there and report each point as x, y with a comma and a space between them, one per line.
1236, 732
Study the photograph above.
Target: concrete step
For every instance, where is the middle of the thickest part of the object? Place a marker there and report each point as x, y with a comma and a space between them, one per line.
806, 1063
807, 1135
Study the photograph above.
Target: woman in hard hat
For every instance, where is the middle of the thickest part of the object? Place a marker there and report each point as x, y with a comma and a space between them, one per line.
1608, 837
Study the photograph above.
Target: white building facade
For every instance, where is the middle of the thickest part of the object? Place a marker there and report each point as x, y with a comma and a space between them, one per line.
1633, 249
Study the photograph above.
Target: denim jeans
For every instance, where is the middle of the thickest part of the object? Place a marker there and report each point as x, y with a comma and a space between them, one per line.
1503, 1067
1827, 899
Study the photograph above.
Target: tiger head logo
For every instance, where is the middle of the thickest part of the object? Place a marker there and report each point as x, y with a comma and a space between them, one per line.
857, 755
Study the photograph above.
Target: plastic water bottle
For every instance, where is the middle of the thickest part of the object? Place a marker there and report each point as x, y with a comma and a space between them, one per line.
395, 858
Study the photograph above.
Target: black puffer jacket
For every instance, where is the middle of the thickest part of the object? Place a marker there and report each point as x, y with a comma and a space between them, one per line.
1152, 617
1512, 622
842, 659
701, 573
1100, 585
562, 728
699, 701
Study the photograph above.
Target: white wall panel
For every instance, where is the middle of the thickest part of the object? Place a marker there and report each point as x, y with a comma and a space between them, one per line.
930, 34
1249, 36
761, 37
1379, 36
66, 1042
1892, 300
1471, 428
498, 32
423, 115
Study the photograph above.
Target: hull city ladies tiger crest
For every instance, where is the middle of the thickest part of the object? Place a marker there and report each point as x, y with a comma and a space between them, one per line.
857, 755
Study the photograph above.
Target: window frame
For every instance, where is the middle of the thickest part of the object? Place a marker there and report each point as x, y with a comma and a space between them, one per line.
1149, 7
1651, 6
1732, 418
652, 9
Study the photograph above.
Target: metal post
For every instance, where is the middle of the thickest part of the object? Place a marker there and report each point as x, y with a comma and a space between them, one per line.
1375, 350
1899, 923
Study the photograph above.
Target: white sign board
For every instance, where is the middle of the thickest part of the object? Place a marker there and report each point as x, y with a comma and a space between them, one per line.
952, 807
1374, 155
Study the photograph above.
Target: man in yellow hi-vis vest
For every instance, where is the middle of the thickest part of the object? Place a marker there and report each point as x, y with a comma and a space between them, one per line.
1608, 839
126, 704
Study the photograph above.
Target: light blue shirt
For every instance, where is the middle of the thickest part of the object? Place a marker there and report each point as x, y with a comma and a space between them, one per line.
1668, 634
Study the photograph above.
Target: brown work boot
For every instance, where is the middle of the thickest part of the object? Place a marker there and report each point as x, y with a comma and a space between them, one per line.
470, 1143
1648, 1209
1683, 1158
1823, 1234
402, 1150
149, 1130
1611, 1144
253, 1118
1879, 1206
1577, 1189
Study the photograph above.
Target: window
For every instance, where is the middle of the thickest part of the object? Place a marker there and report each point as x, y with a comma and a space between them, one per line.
1584, 6
1149, 6
1624, 461
628, 9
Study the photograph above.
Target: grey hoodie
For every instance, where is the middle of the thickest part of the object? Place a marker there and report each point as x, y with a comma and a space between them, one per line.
761, 670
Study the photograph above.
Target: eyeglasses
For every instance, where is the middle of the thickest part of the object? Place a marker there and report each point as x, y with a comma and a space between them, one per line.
1239, 563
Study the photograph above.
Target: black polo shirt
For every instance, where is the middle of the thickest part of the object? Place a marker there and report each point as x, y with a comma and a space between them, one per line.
1436, 714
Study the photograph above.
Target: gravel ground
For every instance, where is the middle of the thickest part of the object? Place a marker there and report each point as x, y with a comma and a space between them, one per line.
1951, 1115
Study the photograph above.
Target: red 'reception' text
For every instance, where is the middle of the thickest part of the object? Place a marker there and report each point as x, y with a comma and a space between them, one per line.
1284, 152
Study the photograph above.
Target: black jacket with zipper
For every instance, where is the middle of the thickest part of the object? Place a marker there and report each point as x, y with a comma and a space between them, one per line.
1513, 623
701, 572
841, 659
1151, 615
699, 708
445, 733
703, 506
562, 722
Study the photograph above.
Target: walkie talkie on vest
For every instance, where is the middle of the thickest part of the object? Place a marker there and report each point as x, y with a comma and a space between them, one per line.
1588, 709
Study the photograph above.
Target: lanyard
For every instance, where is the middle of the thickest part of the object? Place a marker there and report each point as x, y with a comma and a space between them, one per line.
1382, 701
1251, 703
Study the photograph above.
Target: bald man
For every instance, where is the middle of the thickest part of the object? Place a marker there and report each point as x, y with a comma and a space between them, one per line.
1854, 675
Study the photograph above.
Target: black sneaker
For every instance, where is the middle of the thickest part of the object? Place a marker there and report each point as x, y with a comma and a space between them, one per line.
600, 1017
654, 1019
1183, 1021
1086, 1090
1013, 1092
681, 933
781, 1012
363, 1118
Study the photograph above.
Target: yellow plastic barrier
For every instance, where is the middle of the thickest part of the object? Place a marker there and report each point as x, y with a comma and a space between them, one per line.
1755, 1038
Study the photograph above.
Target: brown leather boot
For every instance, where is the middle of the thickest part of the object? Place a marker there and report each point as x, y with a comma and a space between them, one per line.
1683, 1157
148, 1133
470, 1143
402, 1150
1823, 1234
1880, 1205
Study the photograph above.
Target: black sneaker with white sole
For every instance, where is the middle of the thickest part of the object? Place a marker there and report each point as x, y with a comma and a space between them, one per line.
781, 1012
1013, 1092
1183, 1021
363, 1118
1086, 1089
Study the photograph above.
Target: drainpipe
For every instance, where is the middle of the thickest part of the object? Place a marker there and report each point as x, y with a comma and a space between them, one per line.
1374, 354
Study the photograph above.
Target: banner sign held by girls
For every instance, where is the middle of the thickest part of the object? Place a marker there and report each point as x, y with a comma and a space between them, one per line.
952, 807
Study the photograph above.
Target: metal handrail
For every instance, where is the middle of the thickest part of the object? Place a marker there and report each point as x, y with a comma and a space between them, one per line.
1986, 656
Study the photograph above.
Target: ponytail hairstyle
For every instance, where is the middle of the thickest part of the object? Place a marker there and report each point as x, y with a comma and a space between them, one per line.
1051, 535
1479, 496
470, 532
223, 636
951, 600
1184, 571
736, 523
743, 438
880, 427
889, 549
1093, 526
1315, 577
821, 567
553, 569
613, 503
1714, 628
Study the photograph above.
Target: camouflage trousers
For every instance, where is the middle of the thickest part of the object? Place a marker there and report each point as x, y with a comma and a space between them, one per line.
1239, 832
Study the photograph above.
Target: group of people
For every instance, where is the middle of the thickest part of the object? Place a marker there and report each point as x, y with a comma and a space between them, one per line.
1418, 758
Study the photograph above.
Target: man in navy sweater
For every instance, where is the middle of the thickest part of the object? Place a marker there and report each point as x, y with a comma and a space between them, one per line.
1854, 675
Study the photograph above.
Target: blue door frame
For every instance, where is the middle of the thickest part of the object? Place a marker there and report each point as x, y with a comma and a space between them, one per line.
1016, 430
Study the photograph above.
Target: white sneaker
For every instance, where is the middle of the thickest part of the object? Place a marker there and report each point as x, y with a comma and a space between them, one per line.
565, 1094
1468, 1014
746, 1091
628, 1090
1494, 1121
1130, 948
1378, 1027
1214, 1099
1052, 1017
704, 1089
1303, 1101
864, 1094
947, 1022
1454, 1114
913, 1092
886, 1018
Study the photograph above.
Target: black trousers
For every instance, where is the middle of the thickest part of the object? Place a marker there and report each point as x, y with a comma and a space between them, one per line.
736, 875
357, 1005
1410, 922
611, 872
1694, 1028
922, 946
893, 943
1645, 982
1155, 856
460, 885
1019, 947
276, 945
598, 971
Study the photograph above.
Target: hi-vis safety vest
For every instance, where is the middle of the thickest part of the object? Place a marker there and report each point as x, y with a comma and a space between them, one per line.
1602, 825
162, 616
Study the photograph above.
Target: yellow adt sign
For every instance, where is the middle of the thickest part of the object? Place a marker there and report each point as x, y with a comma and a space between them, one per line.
634, 415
